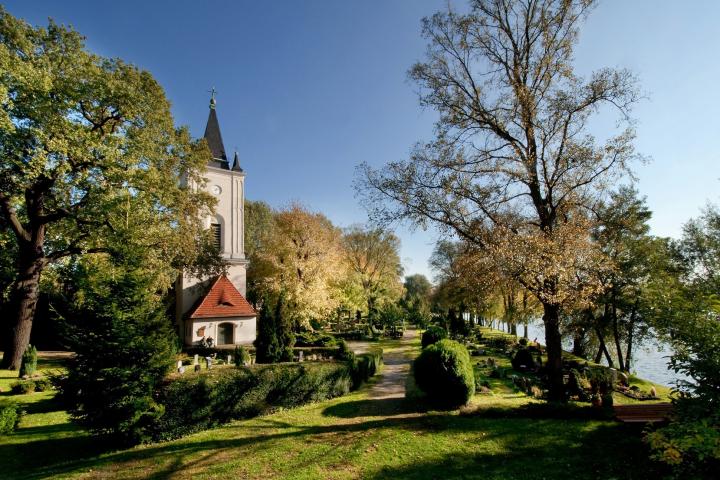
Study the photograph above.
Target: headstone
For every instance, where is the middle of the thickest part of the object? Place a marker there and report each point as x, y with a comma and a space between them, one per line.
301, 357
229, 359
179, 363
197, 367
195, 360
181, 369
208, 360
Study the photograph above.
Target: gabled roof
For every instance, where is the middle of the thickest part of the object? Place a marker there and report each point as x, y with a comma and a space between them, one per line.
215, 141
222, 300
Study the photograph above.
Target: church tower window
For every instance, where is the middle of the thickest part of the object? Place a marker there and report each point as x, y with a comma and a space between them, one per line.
216, 230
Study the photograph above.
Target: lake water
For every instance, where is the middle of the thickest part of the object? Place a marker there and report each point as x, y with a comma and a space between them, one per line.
650, 360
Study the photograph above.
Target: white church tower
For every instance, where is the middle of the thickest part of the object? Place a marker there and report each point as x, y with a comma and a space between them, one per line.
215, 308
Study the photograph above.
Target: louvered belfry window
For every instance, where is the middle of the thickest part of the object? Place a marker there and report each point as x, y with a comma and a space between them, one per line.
216, 232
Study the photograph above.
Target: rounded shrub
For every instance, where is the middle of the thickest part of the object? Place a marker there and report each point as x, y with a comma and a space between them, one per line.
444, 372
432, 335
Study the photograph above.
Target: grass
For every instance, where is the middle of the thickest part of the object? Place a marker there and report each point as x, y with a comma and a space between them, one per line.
505, 435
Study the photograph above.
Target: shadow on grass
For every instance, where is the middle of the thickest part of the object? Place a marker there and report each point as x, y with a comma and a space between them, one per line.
542, 448
608, 451
386, 407
45, 405
557, 411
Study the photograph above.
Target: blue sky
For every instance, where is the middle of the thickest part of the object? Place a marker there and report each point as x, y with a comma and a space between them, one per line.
307, 90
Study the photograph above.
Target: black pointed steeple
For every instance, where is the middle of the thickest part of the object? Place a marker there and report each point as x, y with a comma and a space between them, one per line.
214, 138
236, 163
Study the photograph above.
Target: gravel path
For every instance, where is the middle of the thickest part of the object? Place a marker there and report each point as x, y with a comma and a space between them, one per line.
391, 384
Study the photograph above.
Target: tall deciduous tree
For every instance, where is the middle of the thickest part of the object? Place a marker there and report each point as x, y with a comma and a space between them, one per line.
416, 299
625, 310
373, 259
303, 261
260, 228
513, 164
88, 148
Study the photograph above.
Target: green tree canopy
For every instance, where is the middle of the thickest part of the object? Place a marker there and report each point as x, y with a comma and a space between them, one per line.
89, 157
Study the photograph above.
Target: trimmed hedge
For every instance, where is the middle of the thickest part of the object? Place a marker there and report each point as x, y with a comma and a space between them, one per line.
364, 366
444, 372
315, 339
197, 402
432, 335
9, 417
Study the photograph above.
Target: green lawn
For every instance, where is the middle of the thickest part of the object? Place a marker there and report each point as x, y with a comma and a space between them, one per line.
349, 437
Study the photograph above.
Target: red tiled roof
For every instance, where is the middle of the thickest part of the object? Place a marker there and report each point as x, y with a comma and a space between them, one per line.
223, 300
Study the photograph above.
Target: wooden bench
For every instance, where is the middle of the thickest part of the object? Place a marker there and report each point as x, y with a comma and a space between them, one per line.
648, 413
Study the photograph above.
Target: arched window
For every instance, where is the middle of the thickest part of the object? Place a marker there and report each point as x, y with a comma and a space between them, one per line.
216, 231
225, 334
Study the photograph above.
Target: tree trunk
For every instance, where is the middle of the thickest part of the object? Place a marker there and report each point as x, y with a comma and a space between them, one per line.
599, 354
579, 343
631, 331
24, 297
553, 342
603, 348
525, 330
616, 334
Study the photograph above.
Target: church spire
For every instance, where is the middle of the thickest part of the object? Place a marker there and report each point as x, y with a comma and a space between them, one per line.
236, 163
214, 138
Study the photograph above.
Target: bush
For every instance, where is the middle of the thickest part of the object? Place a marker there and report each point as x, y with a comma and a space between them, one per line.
600, 380
197, 402
344, 352
432, 335
9, 417
689, 443
523, 360
365, 366
501, 342
29, 362
576, 385
314, 339
444, 372
23, 387
241, 357
43, 384
458, 325
476, 334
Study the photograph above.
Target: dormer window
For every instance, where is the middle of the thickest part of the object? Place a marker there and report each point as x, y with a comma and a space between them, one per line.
216, 234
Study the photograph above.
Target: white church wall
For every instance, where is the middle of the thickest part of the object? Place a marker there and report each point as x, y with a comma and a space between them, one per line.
245, 330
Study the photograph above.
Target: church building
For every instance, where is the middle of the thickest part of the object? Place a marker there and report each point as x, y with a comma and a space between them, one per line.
216, 308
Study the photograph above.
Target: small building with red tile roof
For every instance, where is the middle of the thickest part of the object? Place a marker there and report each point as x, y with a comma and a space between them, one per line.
221, 314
